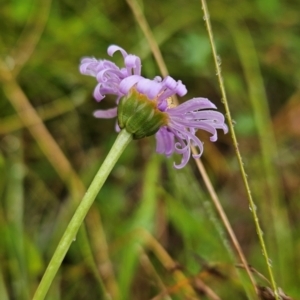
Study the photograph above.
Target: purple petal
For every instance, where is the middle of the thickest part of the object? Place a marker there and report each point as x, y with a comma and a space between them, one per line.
117, 127
88, 66
127, 83
157, 79
113, 48
133, 63
163, 105
97, 92
106, 114
188, 136
192, 105
205, 115
109, 75
148, 87
186, 154
172, 87
164, 141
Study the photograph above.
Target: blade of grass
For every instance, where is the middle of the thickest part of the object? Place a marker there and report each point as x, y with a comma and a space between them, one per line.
14, 204
3, 290
144, 217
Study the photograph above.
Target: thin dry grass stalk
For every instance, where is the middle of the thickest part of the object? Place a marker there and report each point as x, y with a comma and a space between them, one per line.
162, 66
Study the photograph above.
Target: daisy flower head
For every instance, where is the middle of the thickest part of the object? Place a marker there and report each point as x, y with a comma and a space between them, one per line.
174, 127
145, 106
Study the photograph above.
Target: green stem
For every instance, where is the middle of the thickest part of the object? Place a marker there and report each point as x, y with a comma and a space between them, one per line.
69, 236
252, 206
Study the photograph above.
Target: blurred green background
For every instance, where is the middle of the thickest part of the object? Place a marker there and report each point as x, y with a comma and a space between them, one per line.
41, 44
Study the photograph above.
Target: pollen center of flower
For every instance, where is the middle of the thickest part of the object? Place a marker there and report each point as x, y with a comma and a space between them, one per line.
140, 115
171, 103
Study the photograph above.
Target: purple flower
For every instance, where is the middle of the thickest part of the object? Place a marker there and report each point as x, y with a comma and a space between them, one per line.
179, 124
179, 134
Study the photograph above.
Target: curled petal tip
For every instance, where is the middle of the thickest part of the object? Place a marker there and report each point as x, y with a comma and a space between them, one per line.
114, 48
225, 128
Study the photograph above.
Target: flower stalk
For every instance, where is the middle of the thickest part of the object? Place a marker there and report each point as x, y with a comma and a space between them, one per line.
69, 236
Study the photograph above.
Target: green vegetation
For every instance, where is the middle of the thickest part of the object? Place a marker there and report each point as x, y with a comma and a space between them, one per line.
153, 232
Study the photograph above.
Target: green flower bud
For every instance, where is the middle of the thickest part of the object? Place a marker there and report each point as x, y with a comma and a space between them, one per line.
140, 115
